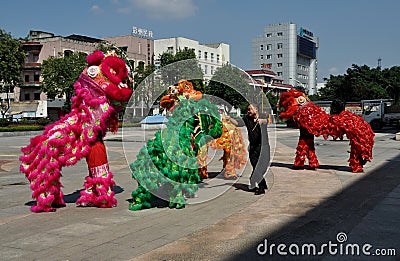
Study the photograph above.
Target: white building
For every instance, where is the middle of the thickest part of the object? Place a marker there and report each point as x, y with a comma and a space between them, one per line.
289, 51
210, 56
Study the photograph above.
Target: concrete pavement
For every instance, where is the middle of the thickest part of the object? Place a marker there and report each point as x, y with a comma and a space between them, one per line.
300, 206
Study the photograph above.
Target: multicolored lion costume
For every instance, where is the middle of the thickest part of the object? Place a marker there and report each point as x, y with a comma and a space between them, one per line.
233, 146
79, 134
312, 120
231, 141
168, 166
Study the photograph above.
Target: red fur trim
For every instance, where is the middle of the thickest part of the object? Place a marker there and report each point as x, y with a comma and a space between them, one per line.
114, 69
118, 94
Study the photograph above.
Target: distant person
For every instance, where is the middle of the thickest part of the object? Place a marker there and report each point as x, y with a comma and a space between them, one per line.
259, 149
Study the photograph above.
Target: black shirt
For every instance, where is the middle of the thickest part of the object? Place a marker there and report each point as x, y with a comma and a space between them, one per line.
253, 130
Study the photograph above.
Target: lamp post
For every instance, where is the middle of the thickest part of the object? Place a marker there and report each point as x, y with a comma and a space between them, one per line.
302, 85
299, 83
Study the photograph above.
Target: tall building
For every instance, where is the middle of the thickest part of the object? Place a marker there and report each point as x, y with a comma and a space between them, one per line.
289, 51
210, 56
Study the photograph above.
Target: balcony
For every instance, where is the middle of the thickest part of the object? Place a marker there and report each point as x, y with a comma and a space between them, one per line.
31, 84
32, 65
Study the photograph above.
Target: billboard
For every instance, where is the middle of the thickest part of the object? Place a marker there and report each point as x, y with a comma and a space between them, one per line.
306, 47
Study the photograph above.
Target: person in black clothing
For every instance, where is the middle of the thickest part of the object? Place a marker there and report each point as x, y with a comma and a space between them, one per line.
259, 149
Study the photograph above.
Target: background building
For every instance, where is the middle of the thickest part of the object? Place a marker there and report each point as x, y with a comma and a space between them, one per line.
267, 81
210, 56
290, 52
139, 50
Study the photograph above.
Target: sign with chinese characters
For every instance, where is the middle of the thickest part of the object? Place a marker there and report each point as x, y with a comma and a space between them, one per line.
305, 33
143, 33
266, 65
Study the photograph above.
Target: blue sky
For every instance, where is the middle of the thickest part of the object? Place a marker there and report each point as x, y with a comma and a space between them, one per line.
350, 31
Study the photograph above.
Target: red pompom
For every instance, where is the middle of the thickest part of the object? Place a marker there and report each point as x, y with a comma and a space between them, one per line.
95, 58
114, 69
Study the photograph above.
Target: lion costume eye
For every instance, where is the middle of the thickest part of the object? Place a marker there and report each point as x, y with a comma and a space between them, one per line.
301, 100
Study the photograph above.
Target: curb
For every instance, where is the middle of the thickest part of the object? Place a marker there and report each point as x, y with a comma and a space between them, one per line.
20, 133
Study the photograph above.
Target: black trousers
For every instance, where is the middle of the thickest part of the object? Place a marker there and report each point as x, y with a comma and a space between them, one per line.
259, 164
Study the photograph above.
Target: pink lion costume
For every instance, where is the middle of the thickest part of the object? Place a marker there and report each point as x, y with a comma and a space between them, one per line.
79, 134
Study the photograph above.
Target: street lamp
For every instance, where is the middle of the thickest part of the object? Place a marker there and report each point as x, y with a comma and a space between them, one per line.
302, 85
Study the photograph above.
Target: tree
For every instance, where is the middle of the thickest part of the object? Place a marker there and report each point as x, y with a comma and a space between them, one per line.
147, 85
391, 77
273, 101
59, 75
229, 84
12, 58
182, 65
360, 83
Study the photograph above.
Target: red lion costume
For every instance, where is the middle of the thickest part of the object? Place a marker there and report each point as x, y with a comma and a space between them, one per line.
313, 121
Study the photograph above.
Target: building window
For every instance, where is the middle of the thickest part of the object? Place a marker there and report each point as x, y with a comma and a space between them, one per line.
26, 77
261, 47
205, 69
217, 58
35, 57
279, 46
141, 65
269, 56
67, 53
36, 77
280, 64
36, 96
279, 33
279, 55
205, 55
27, 97
170, 49
268, 35
279, 73
212, 57
199, 54
132, 65
261, 56
269, 47
212, 70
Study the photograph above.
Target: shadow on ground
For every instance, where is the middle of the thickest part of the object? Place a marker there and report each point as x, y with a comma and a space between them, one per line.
339, 213
73, 197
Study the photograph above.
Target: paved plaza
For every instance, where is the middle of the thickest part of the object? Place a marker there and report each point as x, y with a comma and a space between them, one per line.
300, 206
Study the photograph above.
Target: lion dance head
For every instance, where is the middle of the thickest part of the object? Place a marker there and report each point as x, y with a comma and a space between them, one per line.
110, 73
183, 89
290, 102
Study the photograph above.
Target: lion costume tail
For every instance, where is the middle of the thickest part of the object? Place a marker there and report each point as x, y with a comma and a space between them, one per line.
360, 134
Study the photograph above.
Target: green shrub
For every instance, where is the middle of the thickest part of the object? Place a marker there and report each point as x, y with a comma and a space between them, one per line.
4, 122
21, 128
43, 121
